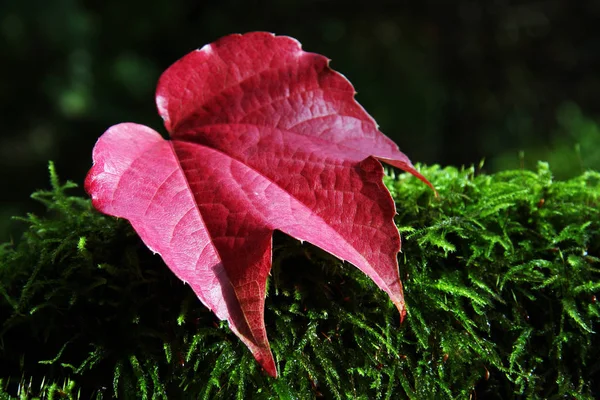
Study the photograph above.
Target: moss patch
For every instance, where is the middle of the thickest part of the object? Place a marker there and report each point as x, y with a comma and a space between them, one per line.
501, 274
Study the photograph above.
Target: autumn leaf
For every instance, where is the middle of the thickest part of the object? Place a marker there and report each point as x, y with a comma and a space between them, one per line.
264, 136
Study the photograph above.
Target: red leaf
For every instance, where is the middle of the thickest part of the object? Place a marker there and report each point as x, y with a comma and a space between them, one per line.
264, 136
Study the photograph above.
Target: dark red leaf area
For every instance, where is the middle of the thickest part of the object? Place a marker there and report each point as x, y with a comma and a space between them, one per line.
264, 136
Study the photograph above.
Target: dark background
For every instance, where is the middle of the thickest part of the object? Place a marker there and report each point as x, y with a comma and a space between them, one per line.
452, 82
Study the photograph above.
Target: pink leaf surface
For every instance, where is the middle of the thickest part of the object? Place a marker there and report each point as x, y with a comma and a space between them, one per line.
264, 136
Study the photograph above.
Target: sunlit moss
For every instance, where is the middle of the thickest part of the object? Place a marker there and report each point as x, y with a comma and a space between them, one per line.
501, 275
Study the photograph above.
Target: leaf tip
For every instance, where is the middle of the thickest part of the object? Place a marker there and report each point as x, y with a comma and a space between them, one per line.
270, 369
401, 309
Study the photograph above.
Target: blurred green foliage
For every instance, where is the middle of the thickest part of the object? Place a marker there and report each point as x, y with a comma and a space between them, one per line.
574, 146
452, 82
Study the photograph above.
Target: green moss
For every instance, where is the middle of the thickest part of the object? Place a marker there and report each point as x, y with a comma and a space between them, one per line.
501, 274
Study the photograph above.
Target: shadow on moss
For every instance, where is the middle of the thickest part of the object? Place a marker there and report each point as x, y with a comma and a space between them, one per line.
501, 274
